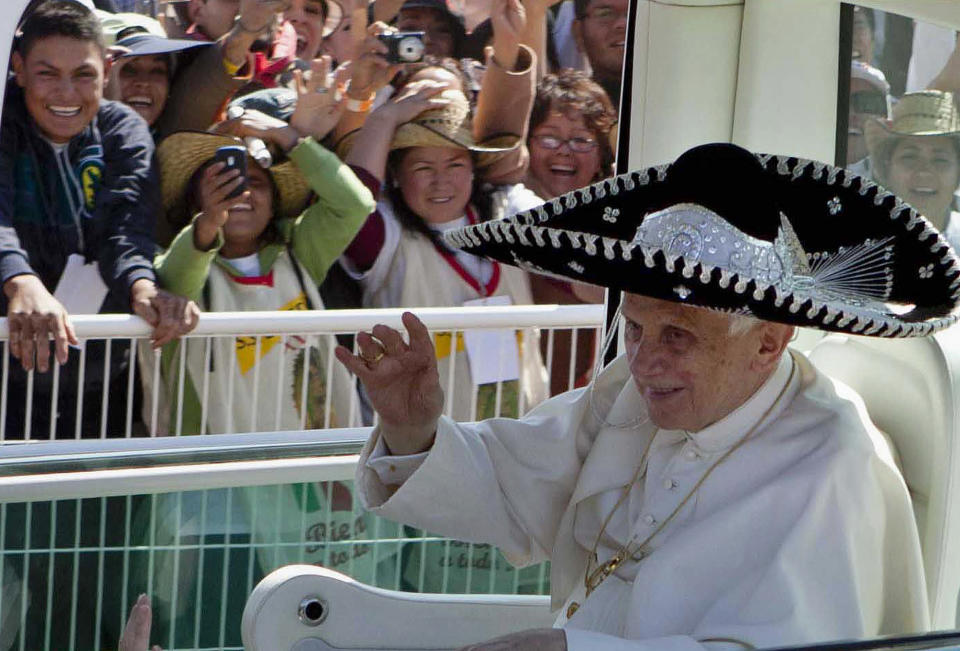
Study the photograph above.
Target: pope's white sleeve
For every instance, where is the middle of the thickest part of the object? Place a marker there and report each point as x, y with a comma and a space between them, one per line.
504, 482
393, 469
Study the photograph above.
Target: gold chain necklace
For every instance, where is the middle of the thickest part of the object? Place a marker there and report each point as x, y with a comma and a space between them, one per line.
593, 577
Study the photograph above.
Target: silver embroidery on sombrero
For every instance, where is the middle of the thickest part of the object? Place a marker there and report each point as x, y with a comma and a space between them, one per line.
857, 276
529, 266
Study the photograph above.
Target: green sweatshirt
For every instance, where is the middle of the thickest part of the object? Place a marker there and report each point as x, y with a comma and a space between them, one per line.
317, 237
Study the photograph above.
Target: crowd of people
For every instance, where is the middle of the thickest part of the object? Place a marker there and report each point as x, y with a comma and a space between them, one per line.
115, 198
356, 162
906, 135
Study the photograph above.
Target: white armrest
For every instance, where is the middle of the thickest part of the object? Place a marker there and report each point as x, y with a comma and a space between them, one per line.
351, 615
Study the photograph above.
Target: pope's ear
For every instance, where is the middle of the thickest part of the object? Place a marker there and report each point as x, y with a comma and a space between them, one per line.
772, 341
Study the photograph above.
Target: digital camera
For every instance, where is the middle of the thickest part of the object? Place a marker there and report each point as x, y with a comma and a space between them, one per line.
404, 47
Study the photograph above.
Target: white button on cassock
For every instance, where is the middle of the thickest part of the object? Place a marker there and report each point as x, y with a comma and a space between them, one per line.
669, 484
649, 519
691, 454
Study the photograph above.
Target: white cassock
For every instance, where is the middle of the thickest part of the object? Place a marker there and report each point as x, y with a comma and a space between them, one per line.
805, 533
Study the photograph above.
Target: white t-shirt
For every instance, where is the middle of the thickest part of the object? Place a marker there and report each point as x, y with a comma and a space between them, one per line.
247, 266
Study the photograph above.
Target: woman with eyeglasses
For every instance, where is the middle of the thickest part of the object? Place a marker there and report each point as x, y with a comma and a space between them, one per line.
569, 143
569, 138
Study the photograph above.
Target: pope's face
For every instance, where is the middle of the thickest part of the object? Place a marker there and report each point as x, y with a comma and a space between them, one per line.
687, 367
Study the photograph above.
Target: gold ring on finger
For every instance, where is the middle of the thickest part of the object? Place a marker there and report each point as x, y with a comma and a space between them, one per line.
375, 359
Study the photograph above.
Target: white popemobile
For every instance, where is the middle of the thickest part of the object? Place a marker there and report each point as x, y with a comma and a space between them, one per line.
763, 74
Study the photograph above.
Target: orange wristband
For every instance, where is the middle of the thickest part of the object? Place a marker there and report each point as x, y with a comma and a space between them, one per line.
359, 106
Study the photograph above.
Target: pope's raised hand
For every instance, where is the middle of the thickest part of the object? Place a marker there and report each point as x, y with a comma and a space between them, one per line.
402, 382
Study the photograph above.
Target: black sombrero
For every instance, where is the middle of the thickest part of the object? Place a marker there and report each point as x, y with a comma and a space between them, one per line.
776, 237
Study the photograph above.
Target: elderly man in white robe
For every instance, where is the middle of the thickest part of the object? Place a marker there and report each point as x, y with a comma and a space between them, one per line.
710, 489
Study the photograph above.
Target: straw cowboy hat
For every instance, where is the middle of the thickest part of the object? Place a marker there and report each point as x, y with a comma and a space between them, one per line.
451, 126
180, 156
775, 237
923, 113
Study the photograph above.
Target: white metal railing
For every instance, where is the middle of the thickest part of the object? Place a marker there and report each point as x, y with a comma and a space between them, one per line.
338, 321
247, 392
32, 472
133, 511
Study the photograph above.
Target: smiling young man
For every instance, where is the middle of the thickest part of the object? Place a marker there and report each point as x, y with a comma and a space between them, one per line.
78, 200
710, 489
600, 31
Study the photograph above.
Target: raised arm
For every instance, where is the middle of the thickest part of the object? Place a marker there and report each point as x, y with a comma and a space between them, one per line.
372, 144
127, 204
534, 34
200, 91
948, 78
369, 73
502, 481
184, 267
402, 382
506, 95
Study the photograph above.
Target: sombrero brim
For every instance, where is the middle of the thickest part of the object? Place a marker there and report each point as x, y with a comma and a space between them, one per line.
413, 134
844, 222
181, 154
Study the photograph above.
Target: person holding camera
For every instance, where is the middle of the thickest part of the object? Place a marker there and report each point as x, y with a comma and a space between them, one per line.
443, 165
257, 243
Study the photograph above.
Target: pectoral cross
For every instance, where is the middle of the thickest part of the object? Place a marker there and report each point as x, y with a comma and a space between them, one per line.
600, 574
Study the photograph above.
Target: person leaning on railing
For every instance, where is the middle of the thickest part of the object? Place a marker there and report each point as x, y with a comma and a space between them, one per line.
78, 201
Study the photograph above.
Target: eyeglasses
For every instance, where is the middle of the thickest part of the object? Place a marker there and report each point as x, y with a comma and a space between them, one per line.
578, 145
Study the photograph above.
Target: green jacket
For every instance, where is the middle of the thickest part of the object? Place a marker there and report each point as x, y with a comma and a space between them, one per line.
317, 237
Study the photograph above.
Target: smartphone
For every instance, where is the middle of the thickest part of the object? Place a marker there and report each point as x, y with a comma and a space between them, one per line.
234, 157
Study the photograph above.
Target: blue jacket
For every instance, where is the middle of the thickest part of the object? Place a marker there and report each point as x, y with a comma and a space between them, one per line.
99, 197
